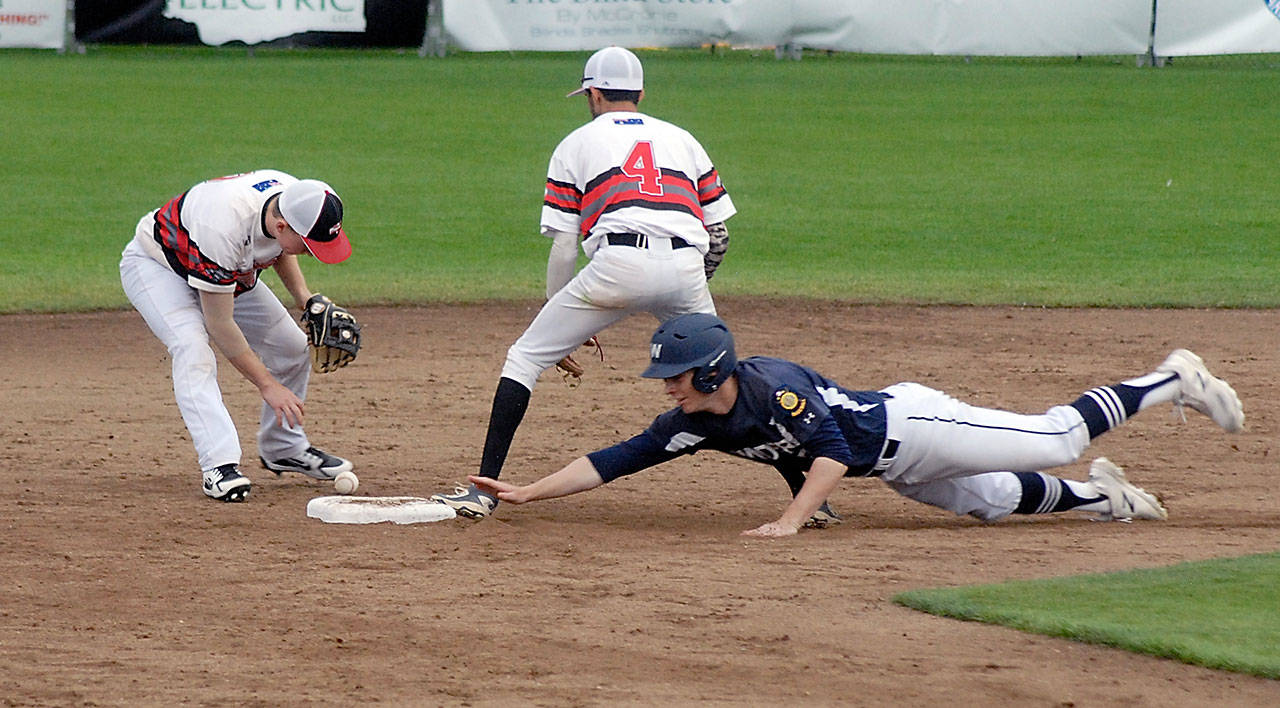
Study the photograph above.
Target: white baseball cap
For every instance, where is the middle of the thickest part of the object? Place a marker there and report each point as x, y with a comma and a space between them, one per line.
612, 68
314, 210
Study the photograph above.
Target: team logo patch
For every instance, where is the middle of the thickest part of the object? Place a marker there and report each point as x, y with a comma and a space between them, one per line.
790, 402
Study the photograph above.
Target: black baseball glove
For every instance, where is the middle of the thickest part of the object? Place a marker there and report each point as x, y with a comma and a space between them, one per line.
333, 332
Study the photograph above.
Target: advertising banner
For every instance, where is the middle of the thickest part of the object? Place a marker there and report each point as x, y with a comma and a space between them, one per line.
253, 21
562, 25
1197, 27
986, 27
974, 27
41, 24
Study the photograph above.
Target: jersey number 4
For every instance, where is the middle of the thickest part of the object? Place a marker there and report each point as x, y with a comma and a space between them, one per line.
640, 166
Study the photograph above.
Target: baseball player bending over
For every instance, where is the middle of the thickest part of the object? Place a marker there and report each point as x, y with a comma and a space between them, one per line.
921, 442
191, 271
647, 204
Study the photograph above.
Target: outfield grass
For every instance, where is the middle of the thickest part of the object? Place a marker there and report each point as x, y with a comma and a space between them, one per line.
1221, 614
870, 179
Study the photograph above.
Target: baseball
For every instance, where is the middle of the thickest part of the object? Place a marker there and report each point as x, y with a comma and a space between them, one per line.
346, 482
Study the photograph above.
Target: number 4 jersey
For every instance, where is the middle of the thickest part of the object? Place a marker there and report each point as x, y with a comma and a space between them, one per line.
631, 173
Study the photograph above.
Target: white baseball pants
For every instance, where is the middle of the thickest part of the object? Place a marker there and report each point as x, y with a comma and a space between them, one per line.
171, 309
617, 282
958, 457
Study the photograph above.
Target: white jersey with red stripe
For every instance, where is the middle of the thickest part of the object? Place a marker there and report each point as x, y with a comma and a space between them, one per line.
212, 234
210, 239
626, 172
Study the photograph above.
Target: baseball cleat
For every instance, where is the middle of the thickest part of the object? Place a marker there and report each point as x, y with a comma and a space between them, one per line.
822, 518
225, 483
1127, 501
1203, 391
313, 462
468, 501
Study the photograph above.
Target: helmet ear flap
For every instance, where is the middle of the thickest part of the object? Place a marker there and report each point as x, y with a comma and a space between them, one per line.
706, 379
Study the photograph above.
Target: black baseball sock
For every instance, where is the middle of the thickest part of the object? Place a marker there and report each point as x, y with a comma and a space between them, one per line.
509, 404
1105, 407
1046, 494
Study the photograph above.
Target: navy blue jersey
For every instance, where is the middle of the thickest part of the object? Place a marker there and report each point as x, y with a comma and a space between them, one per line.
786, 415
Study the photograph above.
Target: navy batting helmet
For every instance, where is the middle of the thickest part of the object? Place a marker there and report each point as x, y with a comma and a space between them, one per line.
700, 342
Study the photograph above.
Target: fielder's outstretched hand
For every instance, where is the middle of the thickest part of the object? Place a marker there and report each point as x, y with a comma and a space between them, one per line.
773, 529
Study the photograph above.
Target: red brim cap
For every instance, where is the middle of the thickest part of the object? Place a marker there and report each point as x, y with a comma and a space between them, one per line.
335, 250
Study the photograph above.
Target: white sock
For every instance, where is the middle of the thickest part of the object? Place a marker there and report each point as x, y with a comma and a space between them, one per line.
1162, 393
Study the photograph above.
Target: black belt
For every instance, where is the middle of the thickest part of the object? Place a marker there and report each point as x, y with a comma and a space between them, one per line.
888, 453
642, 241
890, 449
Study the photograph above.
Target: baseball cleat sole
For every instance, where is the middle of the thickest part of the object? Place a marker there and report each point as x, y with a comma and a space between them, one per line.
239, 494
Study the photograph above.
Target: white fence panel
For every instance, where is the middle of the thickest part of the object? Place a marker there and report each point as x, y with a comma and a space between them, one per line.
1203, 27
978, 27
995, 27
563, 25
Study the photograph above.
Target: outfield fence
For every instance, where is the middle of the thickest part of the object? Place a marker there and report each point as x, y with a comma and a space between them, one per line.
1152, 28
956, 27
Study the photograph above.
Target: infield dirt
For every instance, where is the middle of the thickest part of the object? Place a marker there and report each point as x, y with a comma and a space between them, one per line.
124, 585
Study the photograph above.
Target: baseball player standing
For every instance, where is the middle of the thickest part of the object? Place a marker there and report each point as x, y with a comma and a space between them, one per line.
646, 203
924, 444
191, 271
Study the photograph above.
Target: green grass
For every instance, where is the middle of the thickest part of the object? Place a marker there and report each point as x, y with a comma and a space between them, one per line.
863, 178
1221, 614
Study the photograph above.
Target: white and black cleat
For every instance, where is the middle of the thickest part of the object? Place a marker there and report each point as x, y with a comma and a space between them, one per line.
468, 502
824, 517
313, 462
1204, 392
225, 483
1127, 501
